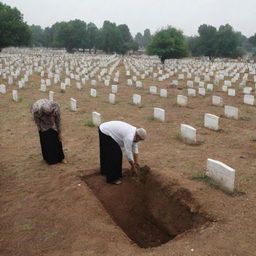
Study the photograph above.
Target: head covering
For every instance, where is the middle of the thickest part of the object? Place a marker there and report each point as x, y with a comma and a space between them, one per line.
142, 133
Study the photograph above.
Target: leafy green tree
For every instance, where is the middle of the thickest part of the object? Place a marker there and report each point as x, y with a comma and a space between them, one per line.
146, 37
252, 40
37, 38
168, 43
193, 46
13, 30
92, 36
228, 42
139, 39
207, 41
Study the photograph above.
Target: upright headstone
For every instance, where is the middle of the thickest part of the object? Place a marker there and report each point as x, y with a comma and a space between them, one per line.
43, 88
136, 98
201, 91
249, 99
211, 121
78, 85
188, 133
138, 84
73, 104
15, 95
191, 92
182, 100
2, 88
159, 114
222, 174
112, 98
231, 112
114, 88
96, 118
163, 93
153, 90
216, 100
231, 92
93, 92
51, 95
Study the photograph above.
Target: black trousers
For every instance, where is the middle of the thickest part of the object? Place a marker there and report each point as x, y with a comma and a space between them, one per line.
51, 146
110, 158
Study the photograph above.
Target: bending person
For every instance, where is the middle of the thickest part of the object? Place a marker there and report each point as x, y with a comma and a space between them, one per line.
112, 136
47, 118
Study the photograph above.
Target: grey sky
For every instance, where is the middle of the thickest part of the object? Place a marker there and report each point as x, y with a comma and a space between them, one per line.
186, 15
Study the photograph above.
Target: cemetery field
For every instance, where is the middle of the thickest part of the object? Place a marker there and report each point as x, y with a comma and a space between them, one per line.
68, 209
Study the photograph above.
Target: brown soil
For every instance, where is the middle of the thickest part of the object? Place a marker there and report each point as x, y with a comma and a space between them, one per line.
48, 210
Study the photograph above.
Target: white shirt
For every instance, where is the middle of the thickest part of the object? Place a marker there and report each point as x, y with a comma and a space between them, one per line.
123, 134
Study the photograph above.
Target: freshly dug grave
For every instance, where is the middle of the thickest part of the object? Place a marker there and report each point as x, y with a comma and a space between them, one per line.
147, 212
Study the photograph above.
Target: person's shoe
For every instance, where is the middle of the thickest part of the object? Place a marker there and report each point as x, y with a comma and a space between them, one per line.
64, 161
117, 182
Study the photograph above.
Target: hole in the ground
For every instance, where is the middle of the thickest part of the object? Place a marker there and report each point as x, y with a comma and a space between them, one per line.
148, 212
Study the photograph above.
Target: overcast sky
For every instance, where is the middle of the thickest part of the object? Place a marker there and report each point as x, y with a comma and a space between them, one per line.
186, 15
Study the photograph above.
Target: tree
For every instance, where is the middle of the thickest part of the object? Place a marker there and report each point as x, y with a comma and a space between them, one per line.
139, 39
37, 37
207, 41
13, 30
92, 35
146, 37
252, 40
167, 43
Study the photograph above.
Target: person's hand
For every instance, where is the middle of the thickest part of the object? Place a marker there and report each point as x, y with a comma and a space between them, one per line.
137, 166
133, 170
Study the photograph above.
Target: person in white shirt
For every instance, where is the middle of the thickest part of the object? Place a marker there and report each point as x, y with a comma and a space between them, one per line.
113, 136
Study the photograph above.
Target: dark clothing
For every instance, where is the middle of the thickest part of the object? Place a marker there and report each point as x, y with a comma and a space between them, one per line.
110, 158
51, 146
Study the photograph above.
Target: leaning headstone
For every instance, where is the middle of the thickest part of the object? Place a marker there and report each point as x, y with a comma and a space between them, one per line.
136, 98
231, 92
159, 114
182, 100
211, 121
112, 98
231, 112
216, 100
163, 93
188, 133
15, 95
73, 104
2, 88
249, 99
51, 95
96, 118
222, 174
93, 92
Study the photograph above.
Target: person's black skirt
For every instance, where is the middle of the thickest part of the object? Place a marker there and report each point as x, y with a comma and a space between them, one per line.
51, 146
110, 158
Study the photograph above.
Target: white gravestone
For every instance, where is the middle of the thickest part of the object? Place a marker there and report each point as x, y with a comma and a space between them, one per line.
106, 82
191, 92
114, 88
78, 85
231, 112
188, 133
15, 95
94, 83
210, 87
159, 114
96, 118
63, 86
224, 88
73, 104
112, 98
51, 95
43, 88
247, 90
201, 84
190, 83
211, 121
182, 100
138, 84
227, 83
2, 88
153, 90
48, 82
231, 92
129, 82
216, 100
93, 92
222, 174
163, 93
249, 99
67, 81
136, 98
201, 91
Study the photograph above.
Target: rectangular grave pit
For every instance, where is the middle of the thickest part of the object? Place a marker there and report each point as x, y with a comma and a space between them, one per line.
149, 213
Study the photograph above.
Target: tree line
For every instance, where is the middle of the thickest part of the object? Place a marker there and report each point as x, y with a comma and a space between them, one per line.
112, 38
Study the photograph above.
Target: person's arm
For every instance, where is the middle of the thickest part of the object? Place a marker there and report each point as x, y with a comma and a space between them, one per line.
128, 146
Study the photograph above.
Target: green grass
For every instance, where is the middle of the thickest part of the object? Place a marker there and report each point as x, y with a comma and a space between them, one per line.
49, 235
89, 123
62, 91
151, 118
